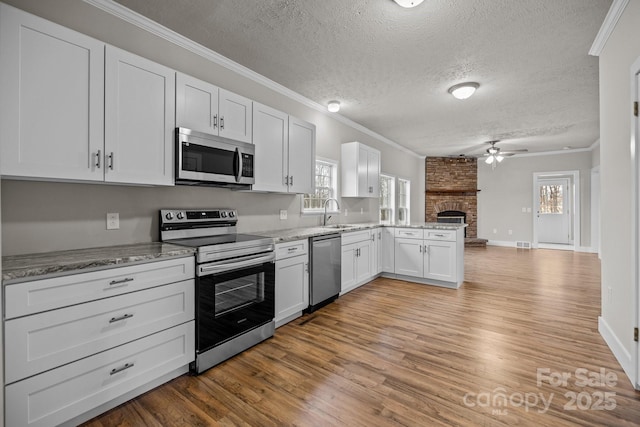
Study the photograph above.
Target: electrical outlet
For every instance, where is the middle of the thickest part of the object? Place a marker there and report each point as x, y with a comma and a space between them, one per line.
113, 221
361, 211
495, 231
283, 214
346, 212
528, 210
524, 210
609, 293
510, 232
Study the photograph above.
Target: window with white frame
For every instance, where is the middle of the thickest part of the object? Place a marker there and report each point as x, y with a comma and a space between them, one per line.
387, 198
326, 187
404, 195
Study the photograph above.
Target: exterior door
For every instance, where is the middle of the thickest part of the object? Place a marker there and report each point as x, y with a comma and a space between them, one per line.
554, 208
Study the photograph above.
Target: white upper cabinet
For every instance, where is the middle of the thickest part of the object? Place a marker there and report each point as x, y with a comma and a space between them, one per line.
196, 104
271, 140
360, 170
139, 119
203, 107
285, 151
52, 102
302, 156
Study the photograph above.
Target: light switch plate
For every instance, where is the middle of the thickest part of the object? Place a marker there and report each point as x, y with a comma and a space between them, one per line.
283, 214
113, 221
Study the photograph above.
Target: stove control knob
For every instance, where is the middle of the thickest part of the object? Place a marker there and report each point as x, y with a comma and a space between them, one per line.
180, 215
169, 216
223, 214
232, 214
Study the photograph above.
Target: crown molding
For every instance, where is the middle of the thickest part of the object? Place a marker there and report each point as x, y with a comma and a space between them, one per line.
556, 152
171, 36
609, 24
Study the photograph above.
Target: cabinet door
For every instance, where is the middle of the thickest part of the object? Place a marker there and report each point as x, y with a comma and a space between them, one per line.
363, 171
363, 262
409, 260
139, 119
52, 102
271, 137
302, 156
440, 260
235, 116
348, 267
373, 173
375, 252
292, 286
388, 250
196, 104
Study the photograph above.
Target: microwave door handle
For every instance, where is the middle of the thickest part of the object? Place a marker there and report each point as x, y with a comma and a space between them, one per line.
238, 165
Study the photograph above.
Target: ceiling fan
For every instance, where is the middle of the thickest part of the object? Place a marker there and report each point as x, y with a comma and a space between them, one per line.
495, 155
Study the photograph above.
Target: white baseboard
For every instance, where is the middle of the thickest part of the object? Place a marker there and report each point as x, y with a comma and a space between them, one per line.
510, 244
619, 351
505, 243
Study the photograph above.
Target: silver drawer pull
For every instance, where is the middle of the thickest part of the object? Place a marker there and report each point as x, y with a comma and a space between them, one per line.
121, 368
121, 281
292, 249
440, 235
119, 318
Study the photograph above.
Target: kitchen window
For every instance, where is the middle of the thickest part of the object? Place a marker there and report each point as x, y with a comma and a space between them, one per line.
404, 195
326, 187
387, 198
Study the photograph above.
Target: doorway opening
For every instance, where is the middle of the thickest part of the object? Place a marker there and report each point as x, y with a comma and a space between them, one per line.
556, 201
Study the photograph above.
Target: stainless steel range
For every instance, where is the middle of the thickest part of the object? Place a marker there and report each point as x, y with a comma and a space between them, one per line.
235, 281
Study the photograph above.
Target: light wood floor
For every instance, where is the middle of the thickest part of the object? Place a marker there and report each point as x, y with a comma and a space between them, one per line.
397, 353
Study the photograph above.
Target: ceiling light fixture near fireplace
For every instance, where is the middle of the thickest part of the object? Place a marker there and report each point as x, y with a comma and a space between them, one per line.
408, 3
464, 90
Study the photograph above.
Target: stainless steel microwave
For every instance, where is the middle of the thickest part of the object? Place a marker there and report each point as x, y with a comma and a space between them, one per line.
203, 159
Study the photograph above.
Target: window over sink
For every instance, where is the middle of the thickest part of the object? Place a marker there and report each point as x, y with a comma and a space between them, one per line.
326, 180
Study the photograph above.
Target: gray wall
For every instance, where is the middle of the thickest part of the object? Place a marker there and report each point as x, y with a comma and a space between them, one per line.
508, 188
616, 179
40, 217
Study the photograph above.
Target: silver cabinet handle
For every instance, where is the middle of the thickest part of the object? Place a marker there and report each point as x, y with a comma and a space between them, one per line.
306, 267
215, 121
98, 158
291, 180
420, 248
221, 122
110, 157
286, 180
119, 318
122, 368
121, 281
439, 235
292, 250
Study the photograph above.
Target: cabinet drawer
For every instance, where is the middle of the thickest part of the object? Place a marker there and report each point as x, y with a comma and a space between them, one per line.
61, 394
355, 236
410, 233
448, 235
291, 249
46, 340
48, 294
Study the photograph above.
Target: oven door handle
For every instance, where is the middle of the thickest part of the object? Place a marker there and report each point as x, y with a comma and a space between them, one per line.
238, 164
207, 269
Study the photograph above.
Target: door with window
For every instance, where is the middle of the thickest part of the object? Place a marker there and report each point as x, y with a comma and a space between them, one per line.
553, 211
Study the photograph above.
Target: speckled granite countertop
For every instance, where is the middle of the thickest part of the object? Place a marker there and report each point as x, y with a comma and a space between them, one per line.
17, 268
288, 235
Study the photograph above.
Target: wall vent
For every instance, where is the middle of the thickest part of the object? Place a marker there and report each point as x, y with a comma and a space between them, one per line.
523, 245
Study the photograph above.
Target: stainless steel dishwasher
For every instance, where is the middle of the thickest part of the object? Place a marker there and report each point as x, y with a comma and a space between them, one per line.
324, 283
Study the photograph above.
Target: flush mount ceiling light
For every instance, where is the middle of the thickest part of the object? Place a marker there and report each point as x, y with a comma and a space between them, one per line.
408, 3
464, 90
334, 106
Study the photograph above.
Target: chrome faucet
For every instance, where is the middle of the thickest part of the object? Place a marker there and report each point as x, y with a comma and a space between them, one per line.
326, 202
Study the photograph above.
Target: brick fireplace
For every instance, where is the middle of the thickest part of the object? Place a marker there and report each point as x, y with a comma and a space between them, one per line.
451, 184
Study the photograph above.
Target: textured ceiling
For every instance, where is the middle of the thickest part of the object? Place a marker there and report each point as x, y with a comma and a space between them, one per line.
391, 67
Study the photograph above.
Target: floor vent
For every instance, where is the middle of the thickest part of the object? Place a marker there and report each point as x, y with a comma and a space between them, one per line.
523, 245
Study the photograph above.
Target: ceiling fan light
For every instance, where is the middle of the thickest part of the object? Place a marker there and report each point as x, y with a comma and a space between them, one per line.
408, 3
463, 90
489, 160
499, 158
333, 106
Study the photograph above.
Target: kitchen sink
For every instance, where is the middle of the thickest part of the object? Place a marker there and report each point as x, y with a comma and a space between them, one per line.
340, 226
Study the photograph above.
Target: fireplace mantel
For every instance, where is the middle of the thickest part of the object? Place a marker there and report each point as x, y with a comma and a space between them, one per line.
471, 191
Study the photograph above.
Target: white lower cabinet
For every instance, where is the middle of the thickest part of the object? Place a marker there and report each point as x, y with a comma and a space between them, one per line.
434, 255
104, 335
387, 249
292, 280
64, 393
356, 260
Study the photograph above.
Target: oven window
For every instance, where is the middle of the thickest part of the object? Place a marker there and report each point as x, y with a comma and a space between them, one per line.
239, 292
199, 158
